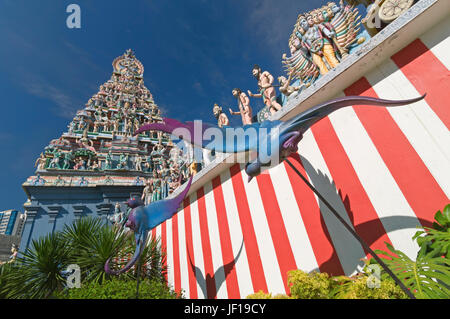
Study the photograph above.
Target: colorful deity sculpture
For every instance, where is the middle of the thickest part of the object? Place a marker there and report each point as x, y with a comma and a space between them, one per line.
54, 163
108, 160
288, 90
321, 37
123, 161
156, 189
147, 192
316, 39
222, 119
245, 110
266, 90
67, 160
41, 161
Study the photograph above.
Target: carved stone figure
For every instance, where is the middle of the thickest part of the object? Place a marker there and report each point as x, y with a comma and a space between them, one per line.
40, 162
123, 162
287, 89
222, 119
67, 160
245, 109
54, 163
147, 192
138, 163
316, 39
267, 91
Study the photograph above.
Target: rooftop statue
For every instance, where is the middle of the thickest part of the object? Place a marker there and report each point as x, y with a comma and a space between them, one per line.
222, 119
286, 89
266, 89
320, 39
245, 110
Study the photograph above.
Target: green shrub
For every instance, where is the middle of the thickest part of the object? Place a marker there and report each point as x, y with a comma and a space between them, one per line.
120, 289
262, 295
314, 285
357, 287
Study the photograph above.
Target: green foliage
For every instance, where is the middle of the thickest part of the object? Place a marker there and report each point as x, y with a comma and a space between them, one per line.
92, 251
427, 277
357, 287
262, 295
5, 269
435, 242
37, 274
314, 285
120, 289
88, 243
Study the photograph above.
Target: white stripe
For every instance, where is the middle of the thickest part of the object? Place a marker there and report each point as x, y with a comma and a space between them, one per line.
159, 237
348, 249
266, 247
214, 239
437, 40
423, 129
184, 267
197, 247
387, 199
295, 228
242, 268
170, 273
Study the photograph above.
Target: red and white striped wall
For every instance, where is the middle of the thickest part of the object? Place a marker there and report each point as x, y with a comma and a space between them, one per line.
386, 171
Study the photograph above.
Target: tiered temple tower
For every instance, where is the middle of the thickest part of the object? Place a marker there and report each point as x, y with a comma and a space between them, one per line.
98, 162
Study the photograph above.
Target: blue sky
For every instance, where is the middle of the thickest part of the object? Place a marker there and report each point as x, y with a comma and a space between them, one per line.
194, 53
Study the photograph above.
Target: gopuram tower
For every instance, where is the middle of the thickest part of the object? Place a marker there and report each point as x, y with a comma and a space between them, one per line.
98, 162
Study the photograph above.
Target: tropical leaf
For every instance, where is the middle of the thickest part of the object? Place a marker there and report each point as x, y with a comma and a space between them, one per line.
427, 277
38, 272
435, 241
96, 250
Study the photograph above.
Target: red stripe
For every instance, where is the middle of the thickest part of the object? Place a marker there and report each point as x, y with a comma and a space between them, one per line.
193, 294
225, 241
283, 250
412, 176
206, 246
251, 246
357, 204
154, 233
164, 245
428, 75
316, 228
176, 254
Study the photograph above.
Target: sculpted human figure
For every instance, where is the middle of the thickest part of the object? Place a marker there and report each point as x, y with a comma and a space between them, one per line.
245, 109
55, 161
138, 163
287, 89
67, 160
147, 193
40, 162
222, 119
316, 40
108, 160
267, 91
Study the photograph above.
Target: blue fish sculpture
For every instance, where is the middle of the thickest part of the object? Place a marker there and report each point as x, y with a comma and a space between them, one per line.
273, 141
143, 219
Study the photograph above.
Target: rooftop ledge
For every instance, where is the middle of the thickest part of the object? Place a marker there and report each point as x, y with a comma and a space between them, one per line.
420, 17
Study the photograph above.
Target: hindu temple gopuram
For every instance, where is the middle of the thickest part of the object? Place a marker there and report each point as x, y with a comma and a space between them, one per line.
98, 162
